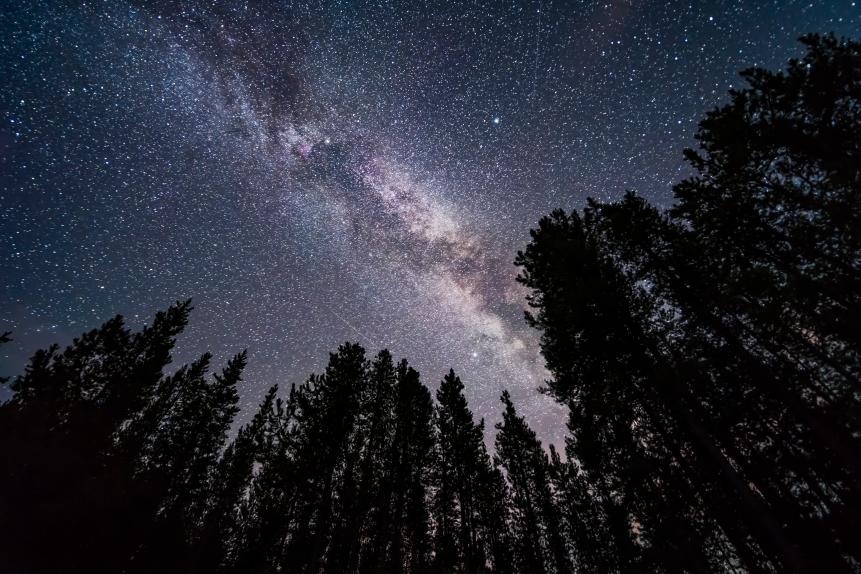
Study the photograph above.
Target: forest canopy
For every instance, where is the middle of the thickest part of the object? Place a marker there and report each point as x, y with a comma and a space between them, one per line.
708, 355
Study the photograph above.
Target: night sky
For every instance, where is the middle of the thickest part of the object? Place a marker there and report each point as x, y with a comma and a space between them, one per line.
315, 172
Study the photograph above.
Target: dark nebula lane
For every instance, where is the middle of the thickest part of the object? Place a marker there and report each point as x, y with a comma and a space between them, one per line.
367, 171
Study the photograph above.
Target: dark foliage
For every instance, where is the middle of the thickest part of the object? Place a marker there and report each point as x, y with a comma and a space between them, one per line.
709, 357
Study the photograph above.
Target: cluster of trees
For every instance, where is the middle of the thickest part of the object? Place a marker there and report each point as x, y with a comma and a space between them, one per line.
111, 465
709, 357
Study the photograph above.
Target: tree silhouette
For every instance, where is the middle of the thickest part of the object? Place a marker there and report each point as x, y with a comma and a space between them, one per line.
470, 521
708, 347
535, 520
708, 356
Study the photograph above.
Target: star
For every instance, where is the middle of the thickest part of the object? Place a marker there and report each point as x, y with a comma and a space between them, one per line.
305, 175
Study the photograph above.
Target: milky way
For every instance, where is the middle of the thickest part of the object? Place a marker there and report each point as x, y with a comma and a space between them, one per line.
318, 172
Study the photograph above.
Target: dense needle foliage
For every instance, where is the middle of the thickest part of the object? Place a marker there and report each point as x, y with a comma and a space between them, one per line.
709, 357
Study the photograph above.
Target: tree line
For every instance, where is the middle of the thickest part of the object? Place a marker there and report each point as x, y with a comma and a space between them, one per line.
111, 465
709, 356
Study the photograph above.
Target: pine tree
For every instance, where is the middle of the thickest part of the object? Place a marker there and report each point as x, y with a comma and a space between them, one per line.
373, 439
263, 516
536, 525
91, 438
708, 348
632, 415
467, 533
298, 493
786, 291
179, 462
400, 542
764, 308
221, 532
583, 525
374, 513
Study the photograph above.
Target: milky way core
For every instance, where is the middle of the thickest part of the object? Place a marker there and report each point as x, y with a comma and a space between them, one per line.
316, 172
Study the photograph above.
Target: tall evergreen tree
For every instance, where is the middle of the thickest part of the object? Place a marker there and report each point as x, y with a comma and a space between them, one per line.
583, 525
264, 512
707, 348
79, 441
400, 539
468, 523
178, 463
296, 494
539, 545
373, 442
224, 521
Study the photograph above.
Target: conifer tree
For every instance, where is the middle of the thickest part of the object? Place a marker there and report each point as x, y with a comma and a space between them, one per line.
264, 513
225, 516
400, 541
539, 545
469, 526
299, 491
80, 446
583, 525
707, 348
372, 443
178, 464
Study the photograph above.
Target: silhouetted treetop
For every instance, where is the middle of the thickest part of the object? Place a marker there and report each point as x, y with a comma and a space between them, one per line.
709, 357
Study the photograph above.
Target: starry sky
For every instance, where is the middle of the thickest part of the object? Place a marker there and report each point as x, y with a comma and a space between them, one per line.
321, 171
